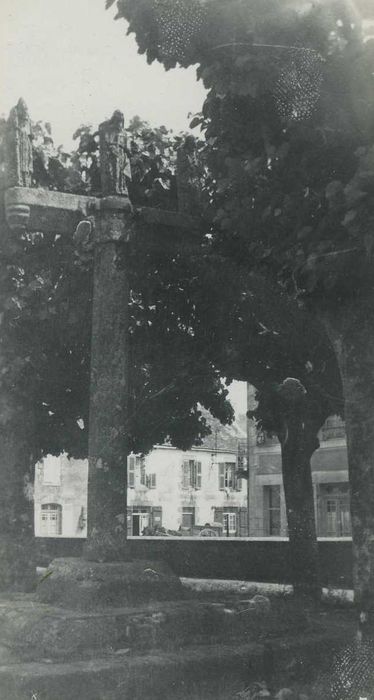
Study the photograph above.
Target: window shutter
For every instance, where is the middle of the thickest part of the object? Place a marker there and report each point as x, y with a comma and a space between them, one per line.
238, 483
186, 474
243, 524
198, 475
131, 472
218, 515
221, 476
129, 521
156, 515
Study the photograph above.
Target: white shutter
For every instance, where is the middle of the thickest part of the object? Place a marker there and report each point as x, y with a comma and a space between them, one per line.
131, 472
198, 475
186, 474
221, 476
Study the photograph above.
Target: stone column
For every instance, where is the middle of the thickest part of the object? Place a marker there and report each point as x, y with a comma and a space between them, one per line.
107, 478
17, 551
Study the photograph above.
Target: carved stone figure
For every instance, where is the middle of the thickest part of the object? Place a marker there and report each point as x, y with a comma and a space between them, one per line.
19, 165
188, 176
114, 160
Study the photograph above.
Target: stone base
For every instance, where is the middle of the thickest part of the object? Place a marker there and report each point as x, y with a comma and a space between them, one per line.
17, 563
34, 631
84, 585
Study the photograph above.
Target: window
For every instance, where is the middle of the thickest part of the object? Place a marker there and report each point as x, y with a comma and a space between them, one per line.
272, 524
191, 474
135, 465
335, 515
140, 521
334, 427
143, 476
188, 518
229, 523
227, 477
51, 520
151, 481
143, 520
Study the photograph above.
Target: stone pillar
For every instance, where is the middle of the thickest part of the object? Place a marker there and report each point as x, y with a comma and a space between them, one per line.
189, 182
107, 477
17, 544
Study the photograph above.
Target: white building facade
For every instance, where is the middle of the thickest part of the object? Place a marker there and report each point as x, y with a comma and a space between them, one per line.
60, 497
185, 491
181, 492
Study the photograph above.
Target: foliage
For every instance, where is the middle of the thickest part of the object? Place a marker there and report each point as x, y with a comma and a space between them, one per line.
288, 133
288, 123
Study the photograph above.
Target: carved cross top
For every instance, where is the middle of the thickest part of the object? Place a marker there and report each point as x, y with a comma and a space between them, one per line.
112, 218
38, 209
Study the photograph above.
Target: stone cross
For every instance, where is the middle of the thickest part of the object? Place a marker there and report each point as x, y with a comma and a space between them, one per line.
19, 147
111, 222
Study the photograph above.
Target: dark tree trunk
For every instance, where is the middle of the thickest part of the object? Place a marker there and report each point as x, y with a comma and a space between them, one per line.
298, 442
17, 544
352, 333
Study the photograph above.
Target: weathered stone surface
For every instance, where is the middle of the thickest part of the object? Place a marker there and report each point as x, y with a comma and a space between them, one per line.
38, 209
19, 156
35, 631
79, 584
261, 602
189, 179
252, 606
114, 156
17, 563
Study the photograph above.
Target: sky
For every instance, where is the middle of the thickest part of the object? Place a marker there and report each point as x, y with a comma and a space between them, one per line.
73, 64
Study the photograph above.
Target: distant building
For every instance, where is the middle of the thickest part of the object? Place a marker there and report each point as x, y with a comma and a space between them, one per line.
181, 492
185, 491
60, 497
330, 483
203, 489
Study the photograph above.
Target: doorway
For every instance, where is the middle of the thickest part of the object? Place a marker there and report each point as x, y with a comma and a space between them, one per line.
140, 520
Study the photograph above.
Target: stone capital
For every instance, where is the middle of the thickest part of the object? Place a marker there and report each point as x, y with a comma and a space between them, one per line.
115, 221
17, 216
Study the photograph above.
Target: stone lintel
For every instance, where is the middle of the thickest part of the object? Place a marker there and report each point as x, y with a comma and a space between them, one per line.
37, 209
175, 219
115, 203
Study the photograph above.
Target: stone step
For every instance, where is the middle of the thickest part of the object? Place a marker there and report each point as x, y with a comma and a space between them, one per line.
203, 672
30, 630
